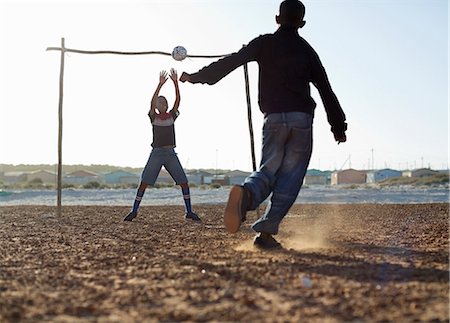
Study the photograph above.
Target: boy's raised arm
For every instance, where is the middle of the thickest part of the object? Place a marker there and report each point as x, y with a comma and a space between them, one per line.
162, 80
174, 78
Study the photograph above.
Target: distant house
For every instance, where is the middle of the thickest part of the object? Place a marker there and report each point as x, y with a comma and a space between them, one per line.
217, 179
14, 177
197, 176
421, 172
45, 176
348, 176
208, 179
165, 178
382, 174
121, 177
221, 179
237, 177
81, 177
316, 177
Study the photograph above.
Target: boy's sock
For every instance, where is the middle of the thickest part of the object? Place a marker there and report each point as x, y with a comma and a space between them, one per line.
137, 201
187, 198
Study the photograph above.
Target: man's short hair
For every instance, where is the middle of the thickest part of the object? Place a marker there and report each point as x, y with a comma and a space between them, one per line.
292, 11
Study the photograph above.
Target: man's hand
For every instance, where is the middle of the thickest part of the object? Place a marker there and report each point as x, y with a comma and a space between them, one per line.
162, 77
173, 75
185, 77
340, 138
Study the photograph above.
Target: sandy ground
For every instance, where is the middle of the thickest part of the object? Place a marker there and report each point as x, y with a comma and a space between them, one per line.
352, 263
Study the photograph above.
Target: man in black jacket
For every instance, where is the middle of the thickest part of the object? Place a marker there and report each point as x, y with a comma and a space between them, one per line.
287, 66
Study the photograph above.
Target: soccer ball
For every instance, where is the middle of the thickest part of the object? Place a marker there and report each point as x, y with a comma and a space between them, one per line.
179, 53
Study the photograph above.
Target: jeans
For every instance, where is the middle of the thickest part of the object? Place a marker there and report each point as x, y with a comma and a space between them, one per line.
168, 158
286, 151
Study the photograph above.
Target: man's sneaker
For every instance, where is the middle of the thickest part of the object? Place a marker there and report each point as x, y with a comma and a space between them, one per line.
192, 216
265, 241
130, 216
236, 208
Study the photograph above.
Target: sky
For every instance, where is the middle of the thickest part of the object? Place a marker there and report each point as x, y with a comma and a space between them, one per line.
387, 62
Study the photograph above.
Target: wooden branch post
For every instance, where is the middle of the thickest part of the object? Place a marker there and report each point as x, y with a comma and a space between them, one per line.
250, 123
249, 114
60, 126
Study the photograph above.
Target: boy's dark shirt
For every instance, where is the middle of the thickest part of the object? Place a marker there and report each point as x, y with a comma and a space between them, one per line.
287, 64
163, 129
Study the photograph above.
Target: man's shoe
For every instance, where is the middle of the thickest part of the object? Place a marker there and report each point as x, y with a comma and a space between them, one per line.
265, 241
130, 216
236, 208
192, 216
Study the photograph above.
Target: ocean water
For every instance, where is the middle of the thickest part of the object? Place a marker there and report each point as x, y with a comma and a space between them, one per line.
172, 196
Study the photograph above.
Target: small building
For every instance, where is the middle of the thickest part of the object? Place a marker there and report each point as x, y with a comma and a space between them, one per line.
221, 179
197, 177
121, 177
208, 179
217, 179
46, 176
14, 177
165, 178
81, 177
237, 177
382, 174
421, 172
316, 177
348, 176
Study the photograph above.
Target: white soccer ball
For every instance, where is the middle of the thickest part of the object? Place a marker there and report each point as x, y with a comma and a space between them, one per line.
179, 53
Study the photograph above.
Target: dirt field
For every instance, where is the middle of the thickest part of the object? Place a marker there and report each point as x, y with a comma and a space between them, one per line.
352, 263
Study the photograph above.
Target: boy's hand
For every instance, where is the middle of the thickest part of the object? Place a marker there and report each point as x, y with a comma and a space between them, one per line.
340, 138
173, 75
185, 77
162, 77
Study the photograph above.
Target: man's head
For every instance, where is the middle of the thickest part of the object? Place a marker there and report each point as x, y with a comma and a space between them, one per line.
161, 104
292, 13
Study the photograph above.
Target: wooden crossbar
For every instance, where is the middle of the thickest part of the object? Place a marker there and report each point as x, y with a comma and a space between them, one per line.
115, 52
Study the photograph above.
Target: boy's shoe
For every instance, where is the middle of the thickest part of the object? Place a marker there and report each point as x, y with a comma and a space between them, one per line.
265, 241
192, 216
130, 216
236, 208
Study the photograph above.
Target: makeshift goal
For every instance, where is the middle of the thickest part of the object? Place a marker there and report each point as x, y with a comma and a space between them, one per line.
63, 49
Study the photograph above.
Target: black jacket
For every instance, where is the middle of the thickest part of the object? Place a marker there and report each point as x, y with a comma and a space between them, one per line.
287, 65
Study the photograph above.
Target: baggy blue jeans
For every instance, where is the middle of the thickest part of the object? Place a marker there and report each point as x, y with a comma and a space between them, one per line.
286, 151
167, 157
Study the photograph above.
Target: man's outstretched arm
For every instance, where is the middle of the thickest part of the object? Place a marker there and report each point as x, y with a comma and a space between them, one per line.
214, 72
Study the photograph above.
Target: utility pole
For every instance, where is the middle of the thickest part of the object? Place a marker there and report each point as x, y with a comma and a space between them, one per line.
60, 130
216, 161
373, 163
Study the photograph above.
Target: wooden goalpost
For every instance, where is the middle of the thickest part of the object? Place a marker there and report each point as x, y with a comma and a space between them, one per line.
63, 49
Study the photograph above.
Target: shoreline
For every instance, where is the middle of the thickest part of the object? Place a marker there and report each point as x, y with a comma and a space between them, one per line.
172, 196
375, 186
